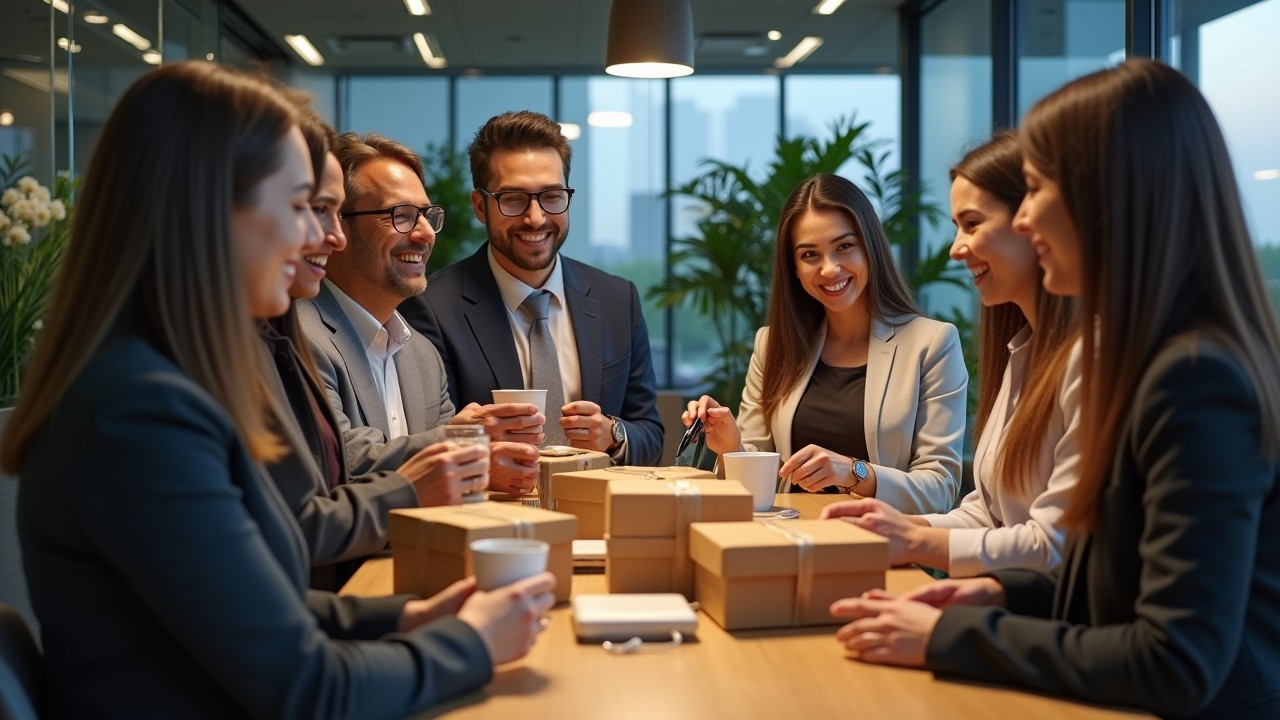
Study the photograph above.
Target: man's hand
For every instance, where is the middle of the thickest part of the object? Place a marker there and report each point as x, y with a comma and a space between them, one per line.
513, 467
440, 474
506, 422
586, 427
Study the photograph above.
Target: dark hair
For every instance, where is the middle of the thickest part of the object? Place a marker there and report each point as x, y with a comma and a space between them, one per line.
1145, 176
995, 167
186, 144
517, 130
794, 315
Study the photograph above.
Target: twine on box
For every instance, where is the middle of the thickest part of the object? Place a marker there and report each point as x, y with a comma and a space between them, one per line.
804, 573
688, 510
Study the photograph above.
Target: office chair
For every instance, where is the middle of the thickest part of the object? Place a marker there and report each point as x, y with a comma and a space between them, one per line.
19, 668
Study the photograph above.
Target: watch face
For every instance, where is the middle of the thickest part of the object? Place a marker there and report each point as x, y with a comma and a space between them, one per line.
618, 433
860, 469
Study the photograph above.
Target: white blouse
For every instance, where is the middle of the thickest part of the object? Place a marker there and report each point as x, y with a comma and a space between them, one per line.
997, 528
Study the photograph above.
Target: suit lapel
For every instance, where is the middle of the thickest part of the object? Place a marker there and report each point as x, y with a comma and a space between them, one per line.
584, 311
347, 342
415, 374
486, 316
882, 348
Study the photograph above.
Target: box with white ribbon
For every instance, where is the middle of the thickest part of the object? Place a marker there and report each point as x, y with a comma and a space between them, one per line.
429, 546
782, 573
648, 529
582, 493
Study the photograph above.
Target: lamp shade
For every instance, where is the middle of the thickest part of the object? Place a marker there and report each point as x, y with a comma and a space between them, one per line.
650, 39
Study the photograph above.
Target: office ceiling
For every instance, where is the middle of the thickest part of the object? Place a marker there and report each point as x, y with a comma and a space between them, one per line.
484, 35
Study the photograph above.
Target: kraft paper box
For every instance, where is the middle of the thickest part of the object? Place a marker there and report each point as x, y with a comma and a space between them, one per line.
648, 521
562, 460
783, 573
583, 493
429, 546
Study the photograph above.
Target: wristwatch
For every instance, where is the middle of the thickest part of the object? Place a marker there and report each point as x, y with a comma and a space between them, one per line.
860, 472
619, 434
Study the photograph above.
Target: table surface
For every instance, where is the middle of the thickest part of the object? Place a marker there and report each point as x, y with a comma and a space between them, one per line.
783, 673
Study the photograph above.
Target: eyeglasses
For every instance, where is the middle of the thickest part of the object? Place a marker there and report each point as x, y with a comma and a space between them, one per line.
514, 203
405, 217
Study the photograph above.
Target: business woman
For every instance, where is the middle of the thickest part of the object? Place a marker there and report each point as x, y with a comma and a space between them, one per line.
167, 573
1169, 597
849, 383
1027, 456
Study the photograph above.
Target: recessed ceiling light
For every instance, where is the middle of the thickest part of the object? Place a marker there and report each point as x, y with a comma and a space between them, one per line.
151, 57
125, 33
6, 118
429, 49
609, 119
71, 47
59, 5
774, 35
93, 17
802, 50
305, 49
417, 7
826, 7
571, 131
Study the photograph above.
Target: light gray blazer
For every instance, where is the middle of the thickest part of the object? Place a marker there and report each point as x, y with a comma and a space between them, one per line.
914, 410
357, 405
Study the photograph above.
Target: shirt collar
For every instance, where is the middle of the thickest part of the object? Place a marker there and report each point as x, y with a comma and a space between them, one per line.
514, 291
366, 325
1020, 340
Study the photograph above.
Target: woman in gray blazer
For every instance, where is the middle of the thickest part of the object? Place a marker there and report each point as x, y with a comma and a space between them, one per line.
168, 575
1168, 598
849, 383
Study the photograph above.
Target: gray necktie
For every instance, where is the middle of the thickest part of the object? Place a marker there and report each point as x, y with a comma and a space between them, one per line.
544, 364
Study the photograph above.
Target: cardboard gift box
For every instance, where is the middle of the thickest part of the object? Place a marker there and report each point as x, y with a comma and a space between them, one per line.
429, 546
582, 493
783, 573
560, 459
648, 529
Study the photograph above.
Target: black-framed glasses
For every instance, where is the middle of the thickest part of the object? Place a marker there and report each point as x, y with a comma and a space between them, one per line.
514, 203
405, 217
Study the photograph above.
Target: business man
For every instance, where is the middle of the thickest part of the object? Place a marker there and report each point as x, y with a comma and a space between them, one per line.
386, 383
517, 314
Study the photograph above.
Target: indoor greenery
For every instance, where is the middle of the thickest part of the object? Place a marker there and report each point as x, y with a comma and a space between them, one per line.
725, 268
448, 180
35, 224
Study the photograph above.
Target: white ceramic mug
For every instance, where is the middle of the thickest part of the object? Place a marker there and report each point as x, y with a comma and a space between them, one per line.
758, 473
502, 561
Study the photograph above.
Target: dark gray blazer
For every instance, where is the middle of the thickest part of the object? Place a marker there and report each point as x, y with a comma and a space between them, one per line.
462, 314
342, 524
348, 380
169, 576
1173, 603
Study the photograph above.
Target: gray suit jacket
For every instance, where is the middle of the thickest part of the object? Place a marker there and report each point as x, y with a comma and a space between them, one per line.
342, 524
169, 576
462, 314
1172, 603
348, 380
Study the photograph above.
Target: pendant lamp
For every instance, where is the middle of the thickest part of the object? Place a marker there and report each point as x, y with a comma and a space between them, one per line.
650, 39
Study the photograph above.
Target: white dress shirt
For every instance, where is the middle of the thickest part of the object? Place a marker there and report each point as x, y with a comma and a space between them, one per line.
381, 343
998, 528
514, 293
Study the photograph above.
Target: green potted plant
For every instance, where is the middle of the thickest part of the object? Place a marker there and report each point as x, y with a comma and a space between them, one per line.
448, 180
35, 225
725, 268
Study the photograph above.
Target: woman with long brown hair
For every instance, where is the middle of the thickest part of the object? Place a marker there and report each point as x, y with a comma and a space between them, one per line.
1026, 456
167, 573
849, 383
1168, 598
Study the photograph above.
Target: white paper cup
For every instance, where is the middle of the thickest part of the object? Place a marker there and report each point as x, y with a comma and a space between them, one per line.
535, 396
758, 473
502, 561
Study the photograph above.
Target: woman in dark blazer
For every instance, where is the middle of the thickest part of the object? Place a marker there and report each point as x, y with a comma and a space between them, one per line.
166, 571
1168, 598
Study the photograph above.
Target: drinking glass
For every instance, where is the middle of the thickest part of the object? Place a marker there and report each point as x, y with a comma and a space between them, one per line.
460, 436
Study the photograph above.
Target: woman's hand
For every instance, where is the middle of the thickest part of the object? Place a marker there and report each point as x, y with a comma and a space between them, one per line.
980, 591
445, 602
717, 424
509, 619
911, 539
887, 631
813, 468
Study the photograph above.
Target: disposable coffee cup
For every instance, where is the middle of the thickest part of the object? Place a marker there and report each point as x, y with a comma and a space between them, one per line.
501, 561
757, 472
534, 396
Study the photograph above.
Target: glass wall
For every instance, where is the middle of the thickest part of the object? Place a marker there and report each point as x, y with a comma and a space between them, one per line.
1063, 39
412, 110
1221, 44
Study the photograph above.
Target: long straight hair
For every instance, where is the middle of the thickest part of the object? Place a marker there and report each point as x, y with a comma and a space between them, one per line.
995, 167
794, 315
186, 145
1145, 176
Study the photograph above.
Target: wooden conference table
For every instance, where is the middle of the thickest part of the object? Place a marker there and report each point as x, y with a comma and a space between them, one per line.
775, 674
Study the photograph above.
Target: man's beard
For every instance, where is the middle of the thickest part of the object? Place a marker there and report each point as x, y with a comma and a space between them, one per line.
507, 247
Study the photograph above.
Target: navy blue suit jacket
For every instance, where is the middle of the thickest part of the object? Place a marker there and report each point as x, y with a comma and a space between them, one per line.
462, 314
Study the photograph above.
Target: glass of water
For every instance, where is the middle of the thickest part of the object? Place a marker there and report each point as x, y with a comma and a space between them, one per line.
461, 436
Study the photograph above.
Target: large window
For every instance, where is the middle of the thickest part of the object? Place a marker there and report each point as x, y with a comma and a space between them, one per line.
412, 110
1064, 39
1219, 44
480, 98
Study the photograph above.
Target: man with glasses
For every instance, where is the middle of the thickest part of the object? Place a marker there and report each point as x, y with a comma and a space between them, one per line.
386, 383
517, 314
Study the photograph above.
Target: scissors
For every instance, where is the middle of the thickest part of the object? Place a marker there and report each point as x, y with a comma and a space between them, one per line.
689, 435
